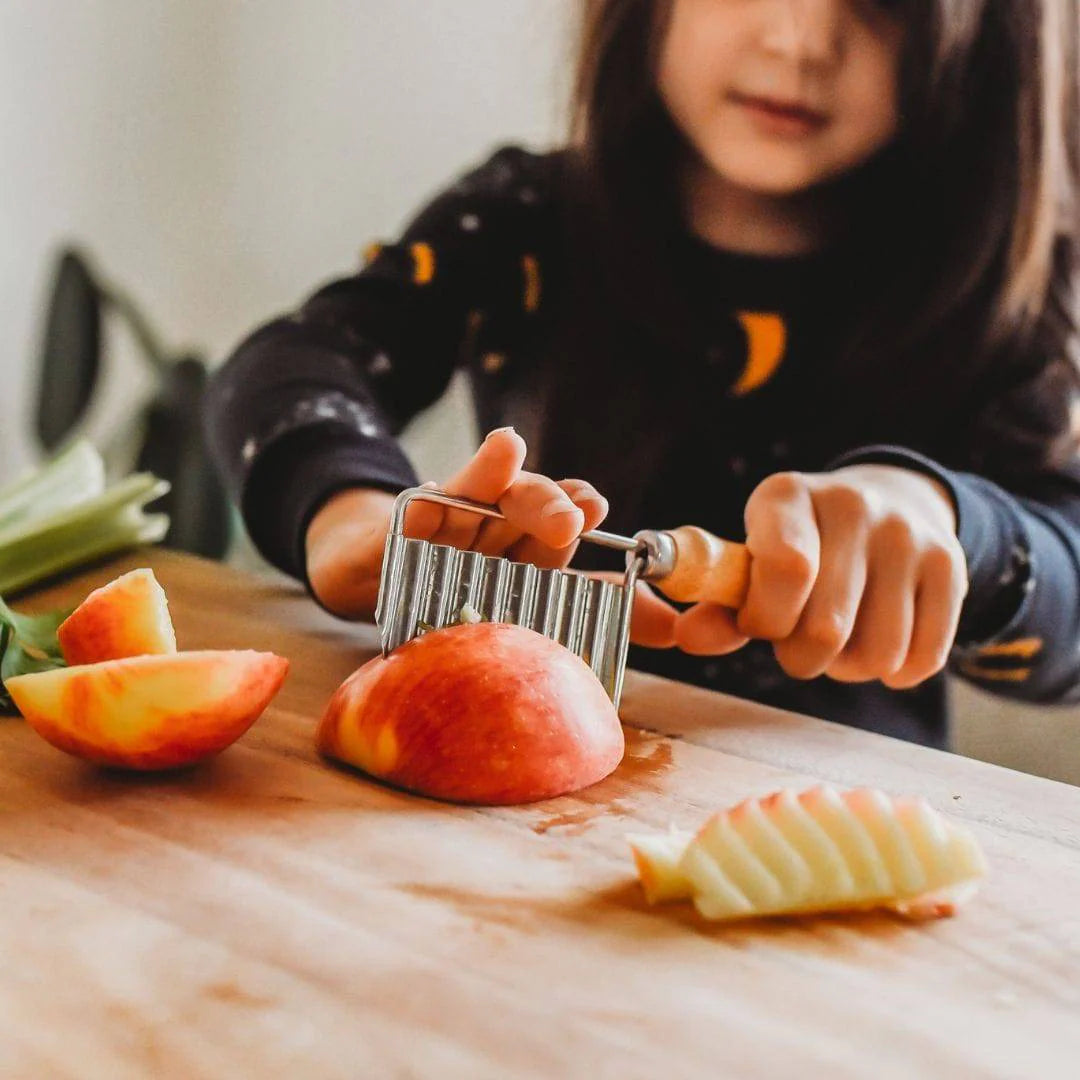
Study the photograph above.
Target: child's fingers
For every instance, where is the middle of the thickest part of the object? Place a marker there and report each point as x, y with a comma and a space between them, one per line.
828, 618
592, 504
492, 469
496, 537
938, 600
422, 519
524, 504
653, 621
783, 540
510, 539
883, 627
540, 508
484, 478
593, 507
708, 630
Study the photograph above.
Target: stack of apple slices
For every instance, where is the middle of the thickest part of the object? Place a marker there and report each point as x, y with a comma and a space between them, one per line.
131, 700
821, 850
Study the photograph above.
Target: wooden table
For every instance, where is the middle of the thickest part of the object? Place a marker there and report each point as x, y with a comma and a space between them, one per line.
269, 915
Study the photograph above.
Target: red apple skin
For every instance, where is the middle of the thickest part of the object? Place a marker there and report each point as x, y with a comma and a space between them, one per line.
150, 712
485, 713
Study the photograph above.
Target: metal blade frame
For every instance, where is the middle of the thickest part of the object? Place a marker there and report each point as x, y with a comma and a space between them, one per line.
425, 586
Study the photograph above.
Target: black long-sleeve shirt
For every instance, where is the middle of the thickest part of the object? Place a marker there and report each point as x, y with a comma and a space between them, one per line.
311, 403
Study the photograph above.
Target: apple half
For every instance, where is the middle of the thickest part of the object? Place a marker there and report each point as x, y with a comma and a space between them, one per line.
484, 713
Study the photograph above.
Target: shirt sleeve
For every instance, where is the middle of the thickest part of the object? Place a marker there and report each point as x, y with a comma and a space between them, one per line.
1019, 633
312, 402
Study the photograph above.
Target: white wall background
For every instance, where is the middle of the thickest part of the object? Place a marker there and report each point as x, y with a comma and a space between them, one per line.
222, 157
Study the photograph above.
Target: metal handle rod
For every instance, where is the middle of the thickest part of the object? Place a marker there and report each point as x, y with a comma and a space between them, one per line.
401, 503
634, 567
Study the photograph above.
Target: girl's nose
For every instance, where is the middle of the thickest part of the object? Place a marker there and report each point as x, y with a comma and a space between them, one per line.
808, 31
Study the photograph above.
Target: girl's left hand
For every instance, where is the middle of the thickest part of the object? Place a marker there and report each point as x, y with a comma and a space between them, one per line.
856, 574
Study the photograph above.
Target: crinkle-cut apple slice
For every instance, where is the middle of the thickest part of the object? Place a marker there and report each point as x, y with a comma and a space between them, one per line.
150, 712
657, 859
127, 617
822, 850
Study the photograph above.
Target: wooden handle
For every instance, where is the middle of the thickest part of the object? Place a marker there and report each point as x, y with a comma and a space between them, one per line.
707, 568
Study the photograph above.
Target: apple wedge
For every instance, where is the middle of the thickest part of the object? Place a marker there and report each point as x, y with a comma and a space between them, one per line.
150, 712
127, 617
484, 713
821, 850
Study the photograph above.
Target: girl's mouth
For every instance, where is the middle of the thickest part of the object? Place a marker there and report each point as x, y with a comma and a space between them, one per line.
789, 119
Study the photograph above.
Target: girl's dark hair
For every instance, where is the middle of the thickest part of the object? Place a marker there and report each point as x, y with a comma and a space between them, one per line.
964, 229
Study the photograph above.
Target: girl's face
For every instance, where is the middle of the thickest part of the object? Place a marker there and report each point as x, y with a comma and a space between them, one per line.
777, 96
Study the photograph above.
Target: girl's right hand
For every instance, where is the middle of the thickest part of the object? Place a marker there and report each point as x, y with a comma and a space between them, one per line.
345, 540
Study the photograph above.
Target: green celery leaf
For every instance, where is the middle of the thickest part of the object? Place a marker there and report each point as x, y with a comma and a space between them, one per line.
7, 706
28, 643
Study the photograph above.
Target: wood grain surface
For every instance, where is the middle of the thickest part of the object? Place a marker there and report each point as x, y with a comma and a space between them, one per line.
268, 914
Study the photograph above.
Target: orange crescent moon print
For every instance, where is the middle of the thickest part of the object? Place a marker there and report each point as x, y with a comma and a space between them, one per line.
766, 337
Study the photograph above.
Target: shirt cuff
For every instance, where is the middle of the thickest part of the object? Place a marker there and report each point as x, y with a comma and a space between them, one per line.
296, 474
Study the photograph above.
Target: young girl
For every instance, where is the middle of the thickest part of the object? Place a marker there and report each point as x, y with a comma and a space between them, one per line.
804, 275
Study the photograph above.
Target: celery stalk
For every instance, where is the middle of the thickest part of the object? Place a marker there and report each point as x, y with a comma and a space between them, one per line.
33, 550
73, 476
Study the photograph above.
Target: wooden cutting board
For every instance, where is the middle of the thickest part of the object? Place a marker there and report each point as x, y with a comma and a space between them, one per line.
270, 915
